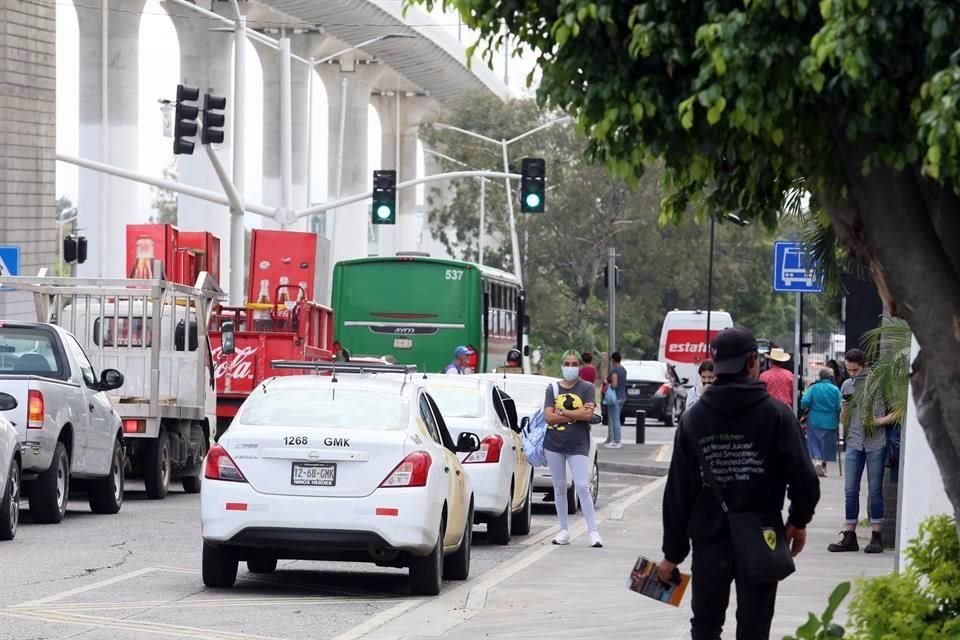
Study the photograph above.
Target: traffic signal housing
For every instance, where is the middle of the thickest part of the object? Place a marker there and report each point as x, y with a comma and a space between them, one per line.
185, 120
213, 118
74, 249
384, 197
533, 174
617, 278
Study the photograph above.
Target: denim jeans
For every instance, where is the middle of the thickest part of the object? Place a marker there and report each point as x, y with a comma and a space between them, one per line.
874, 462
613, 419
893, 452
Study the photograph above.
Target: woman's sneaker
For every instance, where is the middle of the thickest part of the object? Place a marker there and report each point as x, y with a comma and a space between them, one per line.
595, 540
562, 538
847, 543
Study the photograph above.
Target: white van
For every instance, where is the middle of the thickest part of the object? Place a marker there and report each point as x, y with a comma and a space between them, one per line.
682, 340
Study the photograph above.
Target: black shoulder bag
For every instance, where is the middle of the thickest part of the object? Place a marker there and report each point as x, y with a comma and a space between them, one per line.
760, 550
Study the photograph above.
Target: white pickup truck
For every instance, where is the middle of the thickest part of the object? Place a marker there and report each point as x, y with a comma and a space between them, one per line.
64, 420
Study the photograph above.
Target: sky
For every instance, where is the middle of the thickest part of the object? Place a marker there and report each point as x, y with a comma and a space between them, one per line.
158, 42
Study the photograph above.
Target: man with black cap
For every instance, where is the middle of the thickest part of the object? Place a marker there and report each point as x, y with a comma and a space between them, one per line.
756, 453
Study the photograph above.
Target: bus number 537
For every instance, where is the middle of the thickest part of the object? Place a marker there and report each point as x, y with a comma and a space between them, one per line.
454, 274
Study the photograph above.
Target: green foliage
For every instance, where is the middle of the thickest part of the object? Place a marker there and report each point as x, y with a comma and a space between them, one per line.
823, 628
738, 99
923, 601
888, 349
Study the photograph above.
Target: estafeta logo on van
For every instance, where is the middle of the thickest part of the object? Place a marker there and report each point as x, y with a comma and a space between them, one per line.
686, 345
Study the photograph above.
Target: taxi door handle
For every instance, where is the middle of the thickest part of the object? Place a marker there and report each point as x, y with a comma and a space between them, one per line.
446, 469
91, 407
458, 471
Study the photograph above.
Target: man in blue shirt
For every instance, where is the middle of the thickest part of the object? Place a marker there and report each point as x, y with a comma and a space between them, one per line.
461, 358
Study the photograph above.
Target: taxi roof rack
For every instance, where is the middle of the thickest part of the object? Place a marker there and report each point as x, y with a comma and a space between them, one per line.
345, 367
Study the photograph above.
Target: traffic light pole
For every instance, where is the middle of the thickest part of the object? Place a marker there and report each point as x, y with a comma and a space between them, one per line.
237, 230
612, 299
513, 223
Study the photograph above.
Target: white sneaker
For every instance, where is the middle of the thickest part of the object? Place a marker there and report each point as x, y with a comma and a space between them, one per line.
562, 538
595, 540
613, 445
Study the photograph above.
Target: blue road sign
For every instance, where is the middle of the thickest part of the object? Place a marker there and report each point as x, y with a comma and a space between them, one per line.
792, 269
9, 261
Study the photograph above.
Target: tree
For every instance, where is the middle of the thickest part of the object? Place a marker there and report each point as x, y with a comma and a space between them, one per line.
745, 101
164, 201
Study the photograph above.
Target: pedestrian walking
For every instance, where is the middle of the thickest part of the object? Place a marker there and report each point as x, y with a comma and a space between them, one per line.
822, 400
617, 383
461, 361
866, 447
779, 377
736, 452
568, 413
588, 372
705, 370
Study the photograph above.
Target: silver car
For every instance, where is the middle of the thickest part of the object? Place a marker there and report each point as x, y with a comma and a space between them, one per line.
528, 392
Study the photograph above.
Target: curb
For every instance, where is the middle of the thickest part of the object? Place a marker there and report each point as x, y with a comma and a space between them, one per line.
656, 470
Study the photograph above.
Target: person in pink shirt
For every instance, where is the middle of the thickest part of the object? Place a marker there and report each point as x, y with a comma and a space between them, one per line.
779, 377
588, 372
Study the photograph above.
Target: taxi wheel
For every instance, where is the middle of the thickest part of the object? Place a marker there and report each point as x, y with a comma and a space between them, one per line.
499, 528
262, 565
426, 574
219, 567
573, 503
523, 519
457, 565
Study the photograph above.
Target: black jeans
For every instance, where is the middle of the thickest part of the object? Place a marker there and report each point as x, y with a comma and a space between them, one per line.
712, 575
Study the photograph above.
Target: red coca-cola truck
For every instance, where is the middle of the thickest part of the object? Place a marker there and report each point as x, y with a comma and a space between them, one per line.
280, 321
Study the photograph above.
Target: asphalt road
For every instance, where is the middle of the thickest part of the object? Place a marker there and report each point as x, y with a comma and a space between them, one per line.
137, 575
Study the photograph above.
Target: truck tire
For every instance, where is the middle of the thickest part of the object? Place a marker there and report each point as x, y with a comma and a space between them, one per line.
10, 505
50, 491
157, 466
219, 567
191, 483
106, 494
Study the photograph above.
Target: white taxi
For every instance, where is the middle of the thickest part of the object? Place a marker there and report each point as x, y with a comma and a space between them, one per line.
353, 467
501, 476
528, 392
9, 471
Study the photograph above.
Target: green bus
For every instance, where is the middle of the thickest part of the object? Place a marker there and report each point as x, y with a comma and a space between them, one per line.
417, 310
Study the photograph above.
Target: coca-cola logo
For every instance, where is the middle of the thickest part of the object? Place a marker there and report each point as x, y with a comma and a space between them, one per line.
239, 366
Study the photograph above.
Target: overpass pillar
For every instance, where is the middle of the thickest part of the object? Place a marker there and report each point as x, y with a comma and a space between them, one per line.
348, 85
400, 115
109, 118
206, 62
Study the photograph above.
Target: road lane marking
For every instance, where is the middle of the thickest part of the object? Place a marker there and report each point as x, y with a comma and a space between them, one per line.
208, 604
379, 620
90, 587
152, 628
439, 615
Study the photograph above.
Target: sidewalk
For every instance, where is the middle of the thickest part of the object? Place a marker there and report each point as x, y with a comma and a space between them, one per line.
580, 592
649, 459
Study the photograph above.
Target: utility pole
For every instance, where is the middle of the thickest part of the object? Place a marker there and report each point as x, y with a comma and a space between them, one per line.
612, 298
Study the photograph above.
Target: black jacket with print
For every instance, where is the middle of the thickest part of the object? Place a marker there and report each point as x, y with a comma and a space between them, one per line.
757, 451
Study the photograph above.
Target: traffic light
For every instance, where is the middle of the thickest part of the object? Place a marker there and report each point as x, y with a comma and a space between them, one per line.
533, 185
81, 249
213, 118
185, 120
69, 249
617, 277
384, 197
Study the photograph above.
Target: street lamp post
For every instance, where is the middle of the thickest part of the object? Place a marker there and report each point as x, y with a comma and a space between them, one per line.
483, 198
504, 145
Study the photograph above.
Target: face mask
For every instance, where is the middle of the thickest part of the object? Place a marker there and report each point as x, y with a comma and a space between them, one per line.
570, 373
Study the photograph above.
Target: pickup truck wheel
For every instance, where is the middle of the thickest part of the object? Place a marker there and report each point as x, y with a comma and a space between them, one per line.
106, 494
219, 567
157, 466
191, 483
10, 507
48, 496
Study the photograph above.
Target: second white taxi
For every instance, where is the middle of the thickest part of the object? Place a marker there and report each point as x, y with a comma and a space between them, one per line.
10, 466
353, 466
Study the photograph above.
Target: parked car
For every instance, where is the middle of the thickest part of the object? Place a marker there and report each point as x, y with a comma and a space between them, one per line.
528, 393
10, 461
499, 472
652, 387
349, 467
65, 423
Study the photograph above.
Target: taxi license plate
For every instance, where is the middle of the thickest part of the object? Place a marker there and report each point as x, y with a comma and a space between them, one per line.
314, 474
402, 343
633, 392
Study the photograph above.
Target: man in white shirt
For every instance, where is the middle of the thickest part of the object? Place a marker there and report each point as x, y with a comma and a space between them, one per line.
706, 379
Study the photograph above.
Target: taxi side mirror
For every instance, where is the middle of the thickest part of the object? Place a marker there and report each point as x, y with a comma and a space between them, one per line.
596, 419
467, 443
524, 423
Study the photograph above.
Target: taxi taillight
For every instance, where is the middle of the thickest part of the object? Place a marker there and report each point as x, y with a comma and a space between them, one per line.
220, 466
411, 472
489, 451
35, 409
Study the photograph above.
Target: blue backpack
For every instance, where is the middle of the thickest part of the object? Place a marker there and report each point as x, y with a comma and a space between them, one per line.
533, 435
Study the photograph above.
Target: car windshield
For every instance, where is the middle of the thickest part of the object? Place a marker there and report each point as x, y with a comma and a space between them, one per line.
326, 407
527, 395
645, 370
457, 402
27, 351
